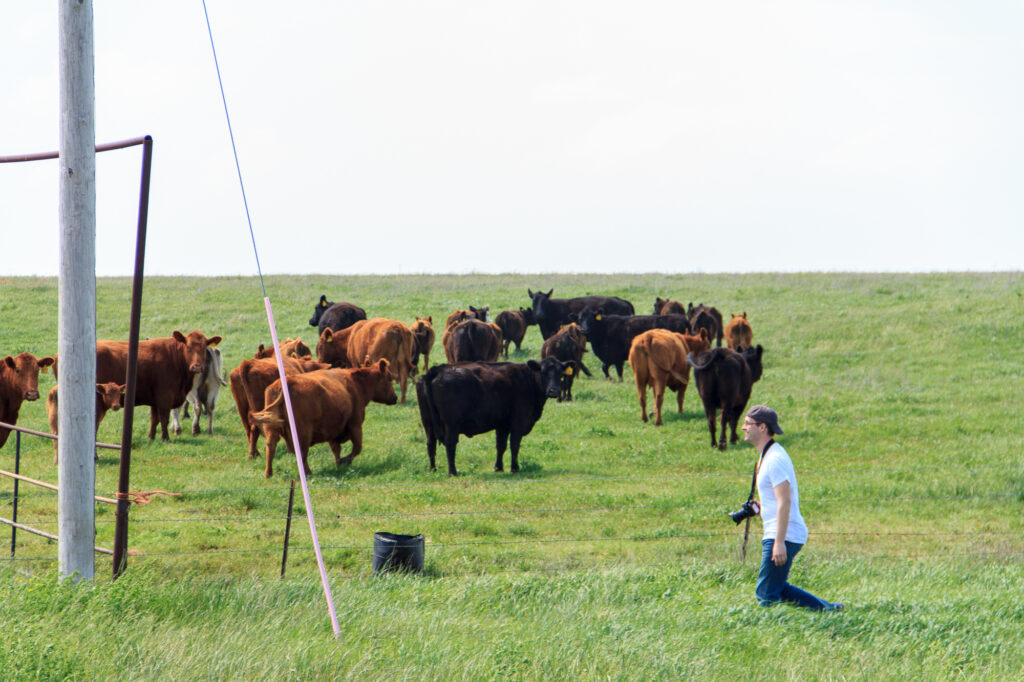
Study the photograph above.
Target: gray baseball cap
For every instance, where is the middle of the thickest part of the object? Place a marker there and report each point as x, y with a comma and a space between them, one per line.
765, 415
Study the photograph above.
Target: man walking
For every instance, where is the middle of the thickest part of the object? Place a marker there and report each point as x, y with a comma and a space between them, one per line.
784, 529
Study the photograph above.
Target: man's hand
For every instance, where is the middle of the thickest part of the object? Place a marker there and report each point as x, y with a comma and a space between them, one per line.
779, 553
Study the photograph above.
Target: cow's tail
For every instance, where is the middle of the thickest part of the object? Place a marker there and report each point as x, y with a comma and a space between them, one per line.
702, 361
271, 414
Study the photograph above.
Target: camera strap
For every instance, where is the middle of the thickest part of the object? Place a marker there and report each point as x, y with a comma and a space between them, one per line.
753, 486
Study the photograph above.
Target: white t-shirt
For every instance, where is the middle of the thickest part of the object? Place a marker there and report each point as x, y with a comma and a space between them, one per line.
775, 468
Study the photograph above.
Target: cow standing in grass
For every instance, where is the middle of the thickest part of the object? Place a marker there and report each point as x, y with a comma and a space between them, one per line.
738, 333
658, 359
724, 379
19, 381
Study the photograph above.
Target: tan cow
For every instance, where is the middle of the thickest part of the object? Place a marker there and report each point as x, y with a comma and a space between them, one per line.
249, 382
368, 341
738, 333
423, 336
329, 407
658, 359
108, 397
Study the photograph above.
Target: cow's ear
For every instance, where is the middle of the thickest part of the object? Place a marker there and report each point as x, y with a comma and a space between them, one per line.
179, 337
121, 388
45, 362
328, 335
9, 361
744, 314
550, 291
704, 333
382, 365
430, 320
323, 300
472, 309
533, 364
213, 341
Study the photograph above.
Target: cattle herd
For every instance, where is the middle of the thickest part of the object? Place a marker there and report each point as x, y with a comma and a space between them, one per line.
358, 361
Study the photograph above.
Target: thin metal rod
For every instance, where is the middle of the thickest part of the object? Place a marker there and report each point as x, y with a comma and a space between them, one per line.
17, 470
124, 475
42, 156
287, 529
49, 486
49, 536
42, 434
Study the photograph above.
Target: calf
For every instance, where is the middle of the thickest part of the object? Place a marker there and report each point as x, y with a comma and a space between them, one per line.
738, 333
249, 383
513, 326
289, 347
471, 314
665, 307
336, 316
611, 335
568, 345
203, 396
477, 397
658, 359
724, 379
19, 381
423, 340
109, 396
708, 318
329, 407
472, 340
552, 313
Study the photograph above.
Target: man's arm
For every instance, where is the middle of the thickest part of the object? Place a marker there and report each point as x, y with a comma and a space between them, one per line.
782, 494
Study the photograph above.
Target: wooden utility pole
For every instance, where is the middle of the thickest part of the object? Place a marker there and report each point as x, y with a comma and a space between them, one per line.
76, 324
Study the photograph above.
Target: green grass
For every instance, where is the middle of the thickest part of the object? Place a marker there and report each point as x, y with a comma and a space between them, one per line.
608, 555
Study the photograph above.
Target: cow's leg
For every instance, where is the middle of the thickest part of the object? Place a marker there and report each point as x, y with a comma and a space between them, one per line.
272, 436
152, 422
659, 399
209, 423
618, 368
734, 417
356, 435
175, 424
451, 439
196, 413
432, 449
722, 444
604, 368
336, 451
504, 347
254, 439
501, 444
641, 392
568, 385
709, 412
425, 363
516, 439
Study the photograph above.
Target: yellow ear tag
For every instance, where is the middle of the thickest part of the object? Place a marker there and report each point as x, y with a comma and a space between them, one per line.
44, 370
323, 304
598, 318
568, 371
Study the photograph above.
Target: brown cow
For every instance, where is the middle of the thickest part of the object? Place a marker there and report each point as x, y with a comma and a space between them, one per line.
290, 347
19, 381
108, 397
472, 341
423, 336
329, 407
658, 359
567, 344
738, 333
249, 382
368, 341
165, 371
666, 307
513, 326
471, 314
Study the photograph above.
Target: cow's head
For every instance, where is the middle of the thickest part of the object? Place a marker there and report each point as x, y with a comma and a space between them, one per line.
528, 316
753, 359
263, 352
111, 395
550, 371
480, 313
332, 347
659, 302
195, 348
697, 343
26, 368
539, 298
591, 320
318, 311
384, 387
296, 348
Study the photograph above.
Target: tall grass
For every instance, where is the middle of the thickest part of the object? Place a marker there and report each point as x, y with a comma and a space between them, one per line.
608, 555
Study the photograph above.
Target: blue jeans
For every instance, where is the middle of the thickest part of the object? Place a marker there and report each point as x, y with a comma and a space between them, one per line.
771, 581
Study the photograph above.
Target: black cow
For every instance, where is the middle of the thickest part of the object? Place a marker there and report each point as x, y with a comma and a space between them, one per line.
552, 313
337, 316
708, 318
513, 326
568, 345
724, 379
611, 335
505, 397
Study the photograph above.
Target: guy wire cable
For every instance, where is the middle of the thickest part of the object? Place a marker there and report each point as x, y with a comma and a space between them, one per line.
278, 354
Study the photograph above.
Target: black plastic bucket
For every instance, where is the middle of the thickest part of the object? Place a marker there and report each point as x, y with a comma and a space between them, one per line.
397, 552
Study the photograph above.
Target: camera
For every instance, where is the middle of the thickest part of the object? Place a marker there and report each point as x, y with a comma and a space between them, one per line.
748, 509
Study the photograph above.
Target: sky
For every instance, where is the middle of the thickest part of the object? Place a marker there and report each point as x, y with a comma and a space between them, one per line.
556, 136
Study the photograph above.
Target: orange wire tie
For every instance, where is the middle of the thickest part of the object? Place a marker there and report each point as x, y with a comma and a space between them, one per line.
142, 498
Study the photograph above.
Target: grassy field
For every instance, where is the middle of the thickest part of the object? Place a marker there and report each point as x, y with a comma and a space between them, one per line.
609, 555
